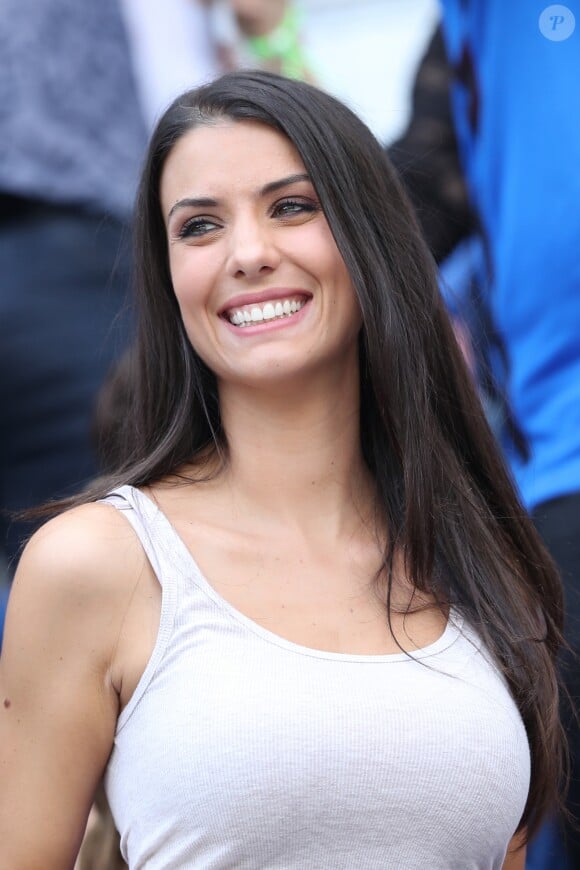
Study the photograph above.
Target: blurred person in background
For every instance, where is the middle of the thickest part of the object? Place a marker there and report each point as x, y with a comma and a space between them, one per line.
260, 33
72, 136
427, 156
514, 80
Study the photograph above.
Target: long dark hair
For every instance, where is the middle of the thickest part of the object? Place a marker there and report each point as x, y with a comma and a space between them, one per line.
448, 502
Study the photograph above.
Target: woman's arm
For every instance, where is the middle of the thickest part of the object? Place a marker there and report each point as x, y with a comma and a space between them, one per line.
516, 854
58, 704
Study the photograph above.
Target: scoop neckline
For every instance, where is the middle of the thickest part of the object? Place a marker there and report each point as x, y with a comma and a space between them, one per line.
447, 638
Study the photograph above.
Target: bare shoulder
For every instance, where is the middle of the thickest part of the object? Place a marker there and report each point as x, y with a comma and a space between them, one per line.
77, 573
87, 550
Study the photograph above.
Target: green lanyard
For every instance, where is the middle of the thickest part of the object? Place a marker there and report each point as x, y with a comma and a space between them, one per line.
283, 45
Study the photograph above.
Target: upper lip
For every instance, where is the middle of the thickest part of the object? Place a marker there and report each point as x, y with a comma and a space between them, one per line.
244, 299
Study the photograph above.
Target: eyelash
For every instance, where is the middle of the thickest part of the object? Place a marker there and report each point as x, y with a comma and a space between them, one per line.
194, 226
297, 206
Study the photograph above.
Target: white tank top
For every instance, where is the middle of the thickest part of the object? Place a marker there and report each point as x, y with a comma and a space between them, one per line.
240, 749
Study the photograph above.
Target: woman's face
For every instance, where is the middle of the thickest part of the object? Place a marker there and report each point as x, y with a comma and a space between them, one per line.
263, 290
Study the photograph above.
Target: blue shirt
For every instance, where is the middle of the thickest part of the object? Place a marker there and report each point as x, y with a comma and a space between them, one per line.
517, 108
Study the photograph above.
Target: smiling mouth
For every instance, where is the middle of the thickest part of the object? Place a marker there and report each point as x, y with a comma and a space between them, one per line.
249, 315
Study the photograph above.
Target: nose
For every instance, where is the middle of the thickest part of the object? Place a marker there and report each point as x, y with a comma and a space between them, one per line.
252, 249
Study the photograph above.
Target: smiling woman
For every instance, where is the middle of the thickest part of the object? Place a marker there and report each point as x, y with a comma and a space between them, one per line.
306, 622
262, 288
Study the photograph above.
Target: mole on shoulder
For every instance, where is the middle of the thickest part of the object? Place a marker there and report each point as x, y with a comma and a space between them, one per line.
7, 702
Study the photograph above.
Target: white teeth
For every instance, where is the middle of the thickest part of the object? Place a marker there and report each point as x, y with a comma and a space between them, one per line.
269, 311
257, 315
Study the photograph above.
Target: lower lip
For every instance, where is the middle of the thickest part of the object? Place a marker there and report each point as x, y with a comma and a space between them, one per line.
267, 325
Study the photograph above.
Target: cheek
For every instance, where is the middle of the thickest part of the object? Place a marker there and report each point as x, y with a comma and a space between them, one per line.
191, 280
198, 336
181, 277
189, 293
196, 327
331, 263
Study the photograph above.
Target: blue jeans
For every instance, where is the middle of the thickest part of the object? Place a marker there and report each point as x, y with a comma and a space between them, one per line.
63, 322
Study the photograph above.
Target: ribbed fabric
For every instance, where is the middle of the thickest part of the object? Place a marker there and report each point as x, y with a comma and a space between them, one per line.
240, 749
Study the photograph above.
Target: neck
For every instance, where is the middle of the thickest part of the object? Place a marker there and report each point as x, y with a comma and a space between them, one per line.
295, 455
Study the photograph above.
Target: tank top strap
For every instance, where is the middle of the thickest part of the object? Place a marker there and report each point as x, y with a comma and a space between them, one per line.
173, 567
168, 555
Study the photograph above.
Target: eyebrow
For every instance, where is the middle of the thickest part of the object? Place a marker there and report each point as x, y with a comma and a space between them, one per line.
209, 202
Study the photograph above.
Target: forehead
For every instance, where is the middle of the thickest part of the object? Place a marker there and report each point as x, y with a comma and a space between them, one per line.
228, 155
